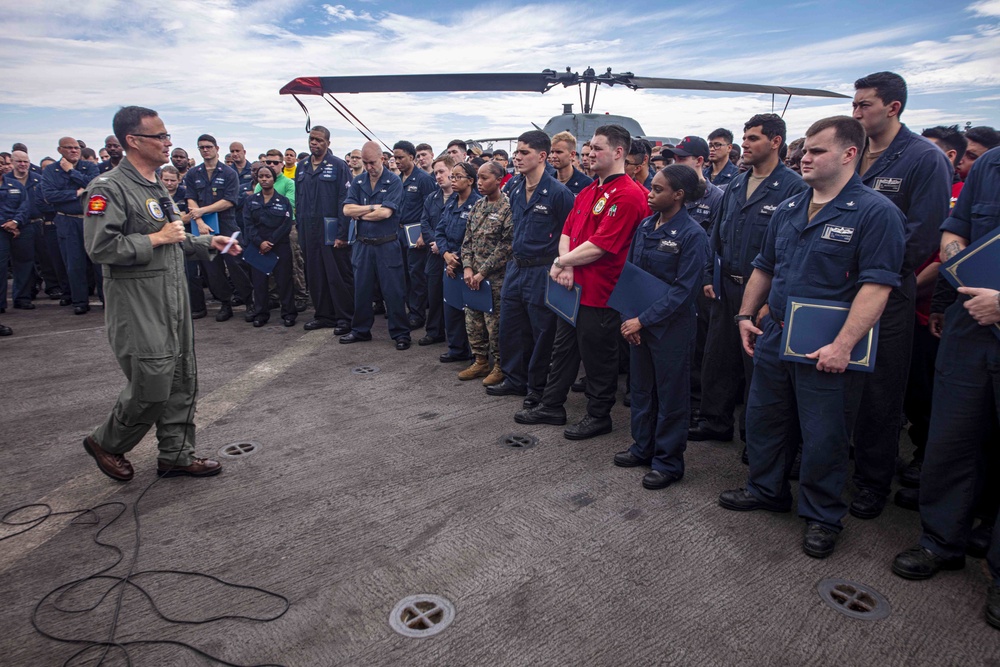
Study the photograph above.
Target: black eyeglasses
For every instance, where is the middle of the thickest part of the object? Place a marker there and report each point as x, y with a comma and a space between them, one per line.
158, 137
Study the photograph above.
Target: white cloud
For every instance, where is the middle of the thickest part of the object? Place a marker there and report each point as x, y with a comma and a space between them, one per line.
342, 13
985, 8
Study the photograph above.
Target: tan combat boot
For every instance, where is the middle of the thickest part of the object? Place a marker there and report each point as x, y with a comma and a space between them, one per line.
479, 368
495, 376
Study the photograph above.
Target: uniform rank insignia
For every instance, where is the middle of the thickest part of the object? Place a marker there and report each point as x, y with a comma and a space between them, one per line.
599, 206
888, 184
97, 205
768, 209
612, 210
541, 208
836, 233
673, 232
411, 188
154, 209
668, 246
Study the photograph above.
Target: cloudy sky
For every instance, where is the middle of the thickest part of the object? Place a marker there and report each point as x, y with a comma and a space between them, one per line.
216, 65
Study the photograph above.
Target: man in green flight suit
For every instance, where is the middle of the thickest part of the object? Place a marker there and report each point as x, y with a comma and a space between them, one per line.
129, 230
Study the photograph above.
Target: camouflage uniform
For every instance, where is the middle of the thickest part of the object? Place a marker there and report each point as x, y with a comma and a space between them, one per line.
486, 249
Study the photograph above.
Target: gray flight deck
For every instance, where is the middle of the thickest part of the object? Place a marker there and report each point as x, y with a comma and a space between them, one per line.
370, 488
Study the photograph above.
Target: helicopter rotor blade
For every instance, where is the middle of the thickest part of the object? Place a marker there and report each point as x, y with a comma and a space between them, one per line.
728, 87
417, 83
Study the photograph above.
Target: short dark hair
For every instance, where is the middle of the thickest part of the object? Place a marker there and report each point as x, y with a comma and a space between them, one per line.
458, 142
617, 136
170, 169
721, 133
302, 156
848, 131
320, 128
87, 153
983, 135
274, 151
424, 147
499, 152
950, 137
771, 124
889, 87
477, 162
19, 147
406, 147
536, 140
127, 121
176, 148
290, 149
262, 167
207, 137
684, 177
640, 147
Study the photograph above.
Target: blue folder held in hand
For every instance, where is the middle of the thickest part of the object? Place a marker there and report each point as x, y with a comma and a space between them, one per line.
812, 323
331, 227
453, 295
563, 302
976, 266
635, 291
412, 233
481, 299
261, 262
210, 219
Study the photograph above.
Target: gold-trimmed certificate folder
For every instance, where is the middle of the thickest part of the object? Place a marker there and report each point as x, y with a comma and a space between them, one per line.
563, 302
812, 323
976, 266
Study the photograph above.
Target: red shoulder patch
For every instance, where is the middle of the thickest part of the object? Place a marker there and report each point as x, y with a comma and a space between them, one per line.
97, 205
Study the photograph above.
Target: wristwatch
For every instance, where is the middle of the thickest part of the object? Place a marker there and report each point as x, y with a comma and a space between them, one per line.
371, 208
556, 264
742, 318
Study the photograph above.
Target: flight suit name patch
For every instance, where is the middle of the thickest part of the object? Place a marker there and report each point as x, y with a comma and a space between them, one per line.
840, 234
886, 184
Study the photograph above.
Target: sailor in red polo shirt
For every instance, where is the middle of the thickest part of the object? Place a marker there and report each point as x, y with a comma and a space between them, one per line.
592, 250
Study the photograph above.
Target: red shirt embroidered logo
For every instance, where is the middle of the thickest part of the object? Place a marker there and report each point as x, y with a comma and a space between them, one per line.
97, 205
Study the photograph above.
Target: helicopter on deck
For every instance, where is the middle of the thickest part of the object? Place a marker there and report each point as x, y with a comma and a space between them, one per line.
581, 125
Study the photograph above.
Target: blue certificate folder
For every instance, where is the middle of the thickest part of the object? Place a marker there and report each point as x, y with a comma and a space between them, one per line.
210, 219
812, 323
458, 295
976, 266
453, 291
563, 302
481, 299
636, 291
412, 233
331, 226
261, 262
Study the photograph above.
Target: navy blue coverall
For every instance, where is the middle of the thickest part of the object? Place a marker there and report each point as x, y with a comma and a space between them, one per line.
377, 257
966, 390
660, 365
224, 185
736, 234
59, 189
916, 176
527, 326
449, 234
319, 202
856, 238
416, 188
271, 221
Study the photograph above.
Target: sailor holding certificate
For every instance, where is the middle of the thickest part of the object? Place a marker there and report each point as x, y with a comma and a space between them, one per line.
838, 241
671, 246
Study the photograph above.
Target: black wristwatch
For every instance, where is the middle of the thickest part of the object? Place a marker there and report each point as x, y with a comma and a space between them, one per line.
742, 318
